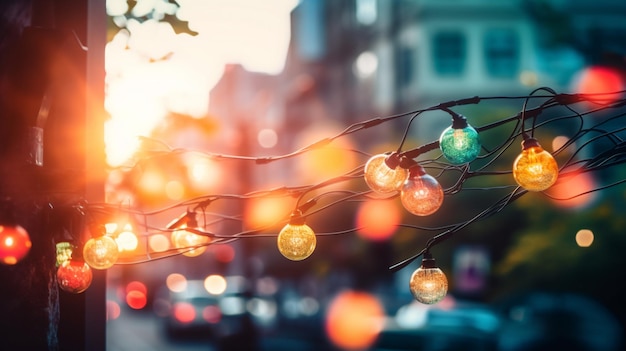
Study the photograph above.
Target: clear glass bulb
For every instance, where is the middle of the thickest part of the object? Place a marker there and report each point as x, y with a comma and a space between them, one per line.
460, 145
14, 244
296, 241
184, 240
74, 276
421, 193
535, 169
428, 283
380, 177
101, 252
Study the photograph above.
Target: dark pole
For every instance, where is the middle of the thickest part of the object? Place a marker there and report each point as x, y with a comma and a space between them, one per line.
44, 61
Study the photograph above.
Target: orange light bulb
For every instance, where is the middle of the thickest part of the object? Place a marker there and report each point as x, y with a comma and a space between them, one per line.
535, 169
189, 243
421, 193
382, 173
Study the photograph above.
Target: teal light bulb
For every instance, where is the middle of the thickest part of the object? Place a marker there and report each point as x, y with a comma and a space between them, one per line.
460, 145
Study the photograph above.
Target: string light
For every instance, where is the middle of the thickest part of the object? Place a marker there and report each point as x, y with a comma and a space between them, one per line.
296, 241
459, 143
535, 169
189, 243
14, 244
428, 283
101, 252
421, 193
383, 173
74, 276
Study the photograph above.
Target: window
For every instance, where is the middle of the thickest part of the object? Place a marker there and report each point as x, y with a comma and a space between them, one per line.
502, 53
449, 53
404, 66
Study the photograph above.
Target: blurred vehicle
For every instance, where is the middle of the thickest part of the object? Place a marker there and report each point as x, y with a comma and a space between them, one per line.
449, 325
213, 313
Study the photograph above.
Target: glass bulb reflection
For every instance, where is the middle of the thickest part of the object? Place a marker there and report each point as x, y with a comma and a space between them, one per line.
296, 241
535, 169
74, 276
380, 177
186, 240
428, 285
101, 252
460, 145
421, 193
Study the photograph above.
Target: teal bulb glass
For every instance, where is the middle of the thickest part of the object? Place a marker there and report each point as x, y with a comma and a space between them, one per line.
460, 145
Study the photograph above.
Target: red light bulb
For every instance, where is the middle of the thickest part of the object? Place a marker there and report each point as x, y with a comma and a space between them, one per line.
74, 276
14, 244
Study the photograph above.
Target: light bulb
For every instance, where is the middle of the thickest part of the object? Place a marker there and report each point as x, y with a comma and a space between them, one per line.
535, 169
101, 252
296, 241
421, 193
14, 244
185, 241
74, 276
428, 284
460, 142
383, 174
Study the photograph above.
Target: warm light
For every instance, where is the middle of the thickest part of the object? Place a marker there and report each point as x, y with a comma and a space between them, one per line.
460, 143
421, 193
136, 299
296, 241
267, 138
174, 190
184, 312
14, 244
573, 190
599, 80
535, 169
376, 220
223, 253
584, 238
354, 320
428, 284
185, 241
215, 284
266, 211
383, 174
158, 243
101, 252
127, 240
558, 142
176, 282
74, 276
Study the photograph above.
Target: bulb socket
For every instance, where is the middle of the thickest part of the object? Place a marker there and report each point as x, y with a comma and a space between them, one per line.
297, 218
530, 142
459, 121
393, 160
428, 261
416, 170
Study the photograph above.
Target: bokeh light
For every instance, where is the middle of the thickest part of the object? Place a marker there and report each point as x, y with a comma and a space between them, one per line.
113, 310
176, 282
354, 319
215, 284
598, 80
570, 191
376, 220
584, 238
266, 211
158, 242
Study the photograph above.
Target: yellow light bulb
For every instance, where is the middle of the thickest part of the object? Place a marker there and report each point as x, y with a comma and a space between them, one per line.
428, 283
421, 193
535, 169
382, 173
296, 241
101, 252
185, 241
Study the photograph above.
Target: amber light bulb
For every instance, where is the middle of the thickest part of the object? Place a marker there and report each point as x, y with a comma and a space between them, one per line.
383, 173
189, 243
535, 169
296, 241
421, 193
14, 244
428, 283
74, 276
101, 252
